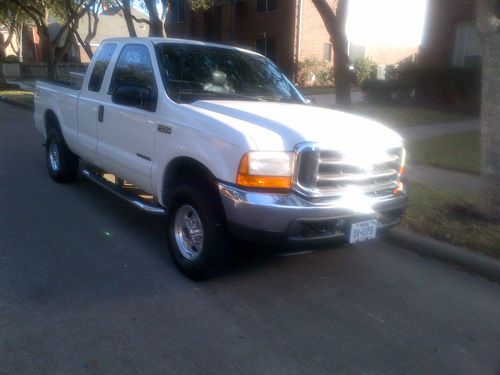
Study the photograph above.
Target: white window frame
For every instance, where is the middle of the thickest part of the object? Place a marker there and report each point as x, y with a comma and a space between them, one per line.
463, 35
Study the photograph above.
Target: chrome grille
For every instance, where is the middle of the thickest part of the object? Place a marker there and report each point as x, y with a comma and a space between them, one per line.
322, 173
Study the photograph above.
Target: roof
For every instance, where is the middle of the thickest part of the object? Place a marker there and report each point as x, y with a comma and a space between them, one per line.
112, 24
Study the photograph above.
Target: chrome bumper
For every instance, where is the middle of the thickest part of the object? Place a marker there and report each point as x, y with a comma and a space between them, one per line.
290, 217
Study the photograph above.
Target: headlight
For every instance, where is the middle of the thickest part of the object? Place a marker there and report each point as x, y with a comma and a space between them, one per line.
266, 170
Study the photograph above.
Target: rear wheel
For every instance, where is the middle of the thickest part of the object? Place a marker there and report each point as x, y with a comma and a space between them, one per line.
62, 164
197, 236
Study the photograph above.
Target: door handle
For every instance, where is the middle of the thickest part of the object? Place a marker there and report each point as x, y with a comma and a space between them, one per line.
100, 113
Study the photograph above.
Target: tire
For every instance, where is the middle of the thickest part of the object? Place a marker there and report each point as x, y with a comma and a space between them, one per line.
197, 237
62, 164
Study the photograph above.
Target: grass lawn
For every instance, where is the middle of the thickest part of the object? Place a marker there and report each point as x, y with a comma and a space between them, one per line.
450, 217
460, 152
25, 97
399, 115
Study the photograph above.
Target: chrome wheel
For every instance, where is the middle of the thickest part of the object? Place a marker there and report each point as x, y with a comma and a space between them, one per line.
54, 155
188, 230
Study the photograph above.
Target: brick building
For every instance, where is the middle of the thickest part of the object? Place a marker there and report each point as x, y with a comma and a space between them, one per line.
450, 37
450, 56
287, 31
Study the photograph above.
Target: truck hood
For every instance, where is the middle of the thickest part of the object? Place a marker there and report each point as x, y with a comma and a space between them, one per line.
281, 126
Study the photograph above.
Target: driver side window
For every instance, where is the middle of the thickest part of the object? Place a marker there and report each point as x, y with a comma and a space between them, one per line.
134, 69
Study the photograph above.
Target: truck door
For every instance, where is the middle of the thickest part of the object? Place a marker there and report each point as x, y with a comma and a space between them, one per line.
89, 102
126, 135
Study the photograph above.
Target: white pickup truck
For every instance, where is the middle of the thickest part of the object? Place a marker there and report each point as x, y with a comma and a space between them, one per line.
219, 140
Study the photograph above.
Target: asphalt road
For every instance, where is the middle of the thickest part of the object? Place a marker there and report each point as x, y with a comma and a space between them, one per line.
87, 287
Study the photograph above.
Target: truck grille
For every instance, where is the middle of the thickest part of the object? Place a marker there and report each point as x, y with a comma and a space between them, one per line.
325, 173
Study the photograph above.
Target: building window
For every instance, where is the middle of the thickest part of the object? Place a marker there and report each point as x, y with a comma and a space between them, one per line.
327, 52
266, 47
176, 11
467, 51
356, 51
266, 5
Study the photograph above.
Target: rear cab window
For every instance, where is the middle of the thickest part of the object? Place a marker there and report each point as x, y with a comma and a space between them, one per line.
100, 66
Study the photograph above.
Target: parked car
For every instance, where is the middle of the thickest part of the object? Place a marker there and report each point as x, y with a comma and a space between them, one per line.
219, 140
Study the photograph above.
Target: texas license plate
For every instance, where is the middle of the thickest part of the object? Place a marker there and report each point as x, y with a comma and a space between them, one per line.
365, 230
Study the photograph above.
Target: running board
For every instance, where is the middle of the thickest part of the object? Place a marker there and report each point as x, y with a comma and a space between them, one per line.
124, 191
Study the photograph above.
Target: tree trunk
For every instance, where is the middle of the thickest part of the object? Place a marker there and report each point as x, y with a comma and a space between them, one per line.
335, 24
128, 18
490, 128
341, 59
488, 19
3, 82
155, 24
51, 63
156, 28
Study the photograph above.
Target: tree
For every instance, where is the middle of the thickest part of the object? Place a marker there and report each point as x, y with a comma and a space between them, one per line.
335, 25
488, 24
156, 21
11, 17
127, 14
93, 8
68, 12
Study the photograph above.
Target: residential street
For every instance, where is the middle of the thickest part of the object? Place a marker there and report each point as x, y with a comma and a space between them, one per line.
87, 287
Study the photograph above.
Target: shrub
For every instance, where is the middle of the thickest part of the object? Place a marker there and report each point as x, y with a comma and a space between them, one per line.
457, 88
390, 90
312, 72
365, 69
398, 86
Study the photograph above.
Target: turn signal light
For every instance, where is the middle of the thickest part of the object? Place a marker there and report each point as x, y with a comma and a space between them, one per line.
244, 178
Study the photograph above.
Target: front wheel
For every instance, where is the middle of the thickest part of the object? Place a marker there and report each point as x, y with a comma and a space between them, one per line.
62, 164
197, 237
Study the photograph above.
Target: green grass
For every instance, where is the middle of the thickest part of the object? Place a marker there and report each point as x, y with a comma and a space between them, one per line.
399, 115
25, 97
460, 152
451, 217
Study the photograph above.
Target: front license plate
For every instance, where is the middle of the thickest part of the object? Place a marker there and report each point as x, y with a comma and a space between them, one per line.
365, 230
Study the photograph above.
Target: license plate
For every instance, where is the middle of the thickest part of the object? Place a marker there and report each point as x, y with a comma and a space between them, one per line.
365, 230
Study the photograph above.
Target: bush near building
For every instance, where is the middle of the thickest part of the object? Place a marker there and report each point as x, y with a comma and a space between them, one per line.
313, 72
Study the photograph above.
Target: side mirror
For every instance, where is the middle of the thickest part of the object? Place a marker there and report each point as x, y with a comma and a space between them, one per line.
133, 96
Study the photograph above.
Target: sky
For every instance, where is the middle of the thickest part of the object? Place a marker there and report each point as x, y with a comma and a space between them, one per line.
397, 23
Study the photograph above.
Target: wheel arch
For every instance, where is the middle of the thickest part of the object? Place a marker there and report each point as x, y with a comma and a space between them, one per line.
51, 121
184, 167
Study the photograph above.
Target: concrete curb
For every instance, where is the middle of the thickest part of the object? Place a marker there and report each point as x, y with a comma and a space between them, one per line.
473, 262
16, 103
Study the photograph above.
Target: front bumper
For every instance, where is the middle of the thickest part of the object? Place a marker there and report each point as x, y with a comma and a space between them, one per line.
275, 218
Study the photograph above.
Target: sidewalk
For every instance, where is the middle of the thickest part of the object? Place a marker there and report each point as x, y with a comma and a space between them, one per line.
441, 178
446, 179
415, 133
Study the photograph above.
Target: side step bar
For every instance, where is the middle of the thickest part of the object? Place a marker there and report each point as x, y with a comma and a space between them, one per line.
124, 193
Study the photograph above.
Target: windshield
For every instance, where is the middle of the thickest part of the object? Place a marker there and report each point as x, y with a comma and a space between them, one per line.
194, 72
